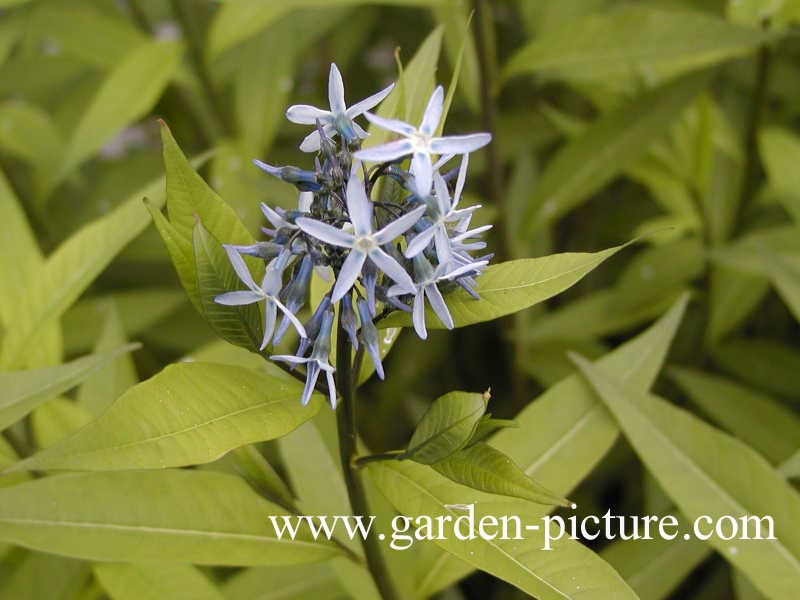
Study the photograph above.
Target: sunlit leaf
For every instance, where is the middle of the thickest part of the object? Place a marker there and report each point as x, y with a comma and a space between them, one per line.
151, 581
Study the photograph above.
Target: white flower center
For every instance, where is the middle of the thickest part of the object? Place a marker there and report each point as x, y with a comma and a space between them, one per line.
365, 244
420, 141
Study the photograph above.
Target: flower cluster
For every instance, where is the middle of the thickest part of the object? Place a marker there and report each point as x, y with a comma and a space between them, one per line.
393, 252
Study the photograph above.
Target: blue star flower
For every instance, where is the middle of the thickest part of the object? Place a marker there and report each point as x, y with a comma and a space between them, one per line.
420, 143
339, 119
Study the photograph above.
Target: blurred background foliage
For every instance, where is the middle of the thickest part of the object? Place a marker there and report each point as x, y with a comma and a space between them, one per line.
611, 119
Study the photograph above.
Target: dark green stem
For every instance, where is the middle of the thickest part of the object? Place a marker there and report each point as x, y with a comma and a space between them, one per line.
391, 455
194, 39
757, 105
348, 444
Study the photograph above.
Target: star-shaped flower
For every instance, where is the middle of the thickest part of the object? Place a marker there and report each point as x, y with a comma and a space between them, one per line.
268, 291
421, 143
363, 242
317, 362
339, 119
444, 210
425, 287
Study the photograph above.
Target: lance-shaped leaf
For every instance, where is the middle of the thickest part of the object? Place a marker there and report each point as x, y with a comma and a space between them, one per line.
632, 43
301, 582
447, 426
611, 144
239, 325
780, 153
768, 426
485, 468
712, 475
570, 570
189, 413
171, 516
22, 391
567, 430
511, 286
152, 581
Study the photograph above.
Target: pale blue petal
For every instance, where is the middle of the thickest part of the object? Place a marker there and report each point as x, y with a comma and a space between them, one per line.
305, 114
351, 269
443, 250
462, 176
359, 108
423, 173
359, 206
419, 314
394, 125
238, 298
271, 169
459, 144
270, 316
386, 152
420, 242
301, 331
326, 233
241, 268
442, 194
398, 226
274, 217
336, 91
312, 373
331, 387
438, 305
392, 268
311, 142
433, 112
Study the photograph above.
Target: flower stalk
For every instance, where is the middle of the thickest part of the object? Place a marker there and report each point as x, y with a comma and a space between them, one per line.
348, 449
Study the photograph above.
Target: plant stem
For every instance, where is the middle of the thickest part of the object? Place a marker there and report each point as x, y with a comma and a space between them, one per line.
348, 443
391, 455
759, 100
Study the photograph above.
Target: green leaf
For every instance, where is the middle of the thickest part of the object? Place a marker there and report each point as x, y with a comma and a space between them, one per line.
762, 363
756, 419
170, 516
484, 468
570, 570
154, 582
785, 276
53, 421
22, 391
733, 297
708, 473
512, 286
459, 45
45, 577
780, 153
106, 385
189, 413
635, 43
127, 94
301, 582
139, 309
564, 433
29, 133
446, 427
655, 567
239, 325
69, 270
609, 145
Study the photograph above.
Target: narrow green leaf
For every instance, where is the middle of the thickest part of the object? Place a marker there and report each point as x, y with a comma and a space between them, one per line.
239, 325
485, 468
22, 391
780, 153
633, 43
612, 143
139, 309
55, 420
154, 582
29, 133
446, 427
512, 286
45, 577
71, 268
733, 297
128, 93
762, 363
301, 582
758, 420
170, 516
189, 413
570, 570
655, 567
708, 473
564, 433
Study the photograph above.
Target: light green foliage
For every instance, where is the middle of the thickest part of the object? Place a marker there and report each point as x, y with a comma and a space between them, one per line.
127, 135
